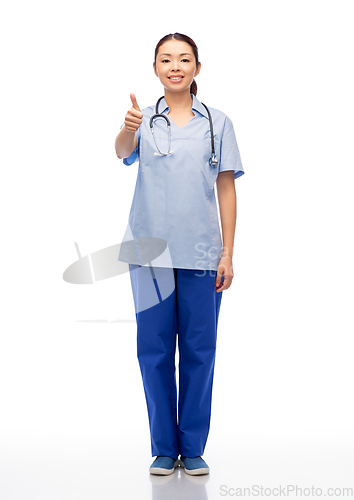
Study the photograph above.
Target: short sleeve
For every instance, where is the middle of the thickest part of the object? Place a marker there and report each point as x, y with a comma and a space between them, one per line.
135, 154
230, 158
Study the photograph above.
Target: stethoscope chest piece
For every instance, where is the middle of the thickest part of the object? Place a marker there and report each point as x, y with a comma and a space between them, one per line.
213, 161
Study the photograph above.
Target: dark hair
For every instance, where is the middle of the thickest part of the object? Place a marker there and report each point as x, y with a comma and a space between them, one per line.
181, 38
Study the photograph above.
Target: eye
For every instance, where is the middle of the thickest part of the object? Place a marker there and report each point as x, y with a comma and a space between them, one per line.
167, 60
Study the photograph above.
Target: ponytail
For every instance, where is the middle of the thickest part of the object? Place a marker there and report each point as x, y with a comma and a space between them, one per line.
193, 87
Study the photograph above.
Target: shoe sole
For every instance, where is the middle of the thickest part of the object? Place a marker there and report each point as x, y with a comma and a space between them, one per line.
195, 472
160, 471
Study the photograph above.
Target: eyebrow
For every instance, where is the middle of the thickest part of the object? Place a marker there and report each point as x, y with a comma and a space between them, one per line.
183, 54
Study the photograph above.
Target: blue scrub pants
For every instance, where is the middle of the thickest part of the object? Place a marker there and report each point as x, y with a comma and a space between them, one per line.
190, 312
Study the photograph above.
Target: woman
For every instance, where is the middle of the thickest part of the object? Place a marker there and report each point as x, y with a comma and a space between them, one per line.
178, 264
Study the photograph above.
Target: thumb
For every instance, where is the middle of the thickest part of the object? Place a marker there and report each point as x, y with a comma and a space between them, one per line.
134, 102
219, 275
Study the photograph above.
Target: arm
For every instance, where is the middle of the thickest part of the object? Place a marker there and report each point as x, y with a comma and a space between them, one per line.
125, 144
226, 191
225, 184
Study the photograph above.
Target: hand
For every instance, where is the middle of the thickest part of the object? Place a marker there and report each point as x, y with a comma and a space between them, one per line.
134, 117
224, 268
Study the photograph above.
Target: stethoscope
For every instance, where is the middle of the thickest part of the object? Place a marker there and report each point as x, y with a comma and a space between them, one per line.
213, 160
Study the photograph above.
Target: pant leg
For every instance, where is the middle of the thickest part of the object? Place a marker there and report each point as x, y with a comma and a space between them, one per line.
198, 306
156, 348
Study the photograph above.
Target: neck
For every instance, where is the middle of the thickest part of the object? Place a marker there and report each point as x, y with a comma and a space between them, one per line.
178, 101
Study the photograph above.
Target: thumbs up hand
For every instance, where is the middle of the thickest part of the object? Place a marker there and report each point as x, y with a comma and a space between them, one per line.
134, 117
134, 102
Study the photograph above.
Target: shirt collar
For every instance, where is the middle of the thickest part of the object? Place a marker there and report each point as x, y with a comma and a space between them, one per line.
197, 105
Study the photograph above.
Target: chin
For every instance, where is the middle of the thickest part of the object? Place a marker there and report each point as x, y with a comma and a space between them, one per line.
173, 88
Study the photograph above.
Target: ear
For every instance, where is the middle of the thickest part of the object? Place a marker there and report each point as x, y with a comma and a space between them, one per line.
198, 69
153, 65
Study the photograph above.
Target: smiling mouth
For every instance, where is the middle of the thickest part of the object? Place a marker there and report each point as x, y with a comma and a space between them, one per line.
175, 78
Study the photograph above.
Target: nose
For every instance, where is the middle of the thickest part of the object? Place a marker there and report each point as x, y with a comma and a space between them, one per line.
175, 65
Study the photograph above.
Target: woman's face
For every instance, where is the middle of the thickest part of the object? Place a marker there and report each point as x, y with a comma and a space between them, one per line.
176, 58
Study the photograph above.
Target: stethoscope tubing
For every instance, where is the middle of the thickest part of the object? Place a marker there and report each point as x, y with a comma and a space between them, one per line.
213, 160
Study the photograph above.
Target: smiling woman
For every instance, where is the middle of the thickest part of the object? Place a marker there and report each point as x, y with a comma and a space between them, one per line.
175, 65
174, 201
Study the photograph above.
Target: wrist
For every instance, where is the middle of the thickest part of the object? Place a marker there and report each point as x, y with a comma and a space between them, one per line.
227, 251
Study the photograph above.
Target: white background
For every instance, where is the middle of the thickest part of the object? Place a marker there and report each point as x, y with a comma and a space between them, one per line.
73, 419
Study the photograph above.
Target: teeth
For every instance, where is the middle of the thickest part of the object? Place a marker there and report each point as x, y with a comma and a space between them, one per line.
175, 77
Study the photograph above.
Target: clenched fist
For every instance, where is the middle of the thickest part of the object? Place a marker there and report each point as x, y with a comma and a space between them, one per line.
134, 117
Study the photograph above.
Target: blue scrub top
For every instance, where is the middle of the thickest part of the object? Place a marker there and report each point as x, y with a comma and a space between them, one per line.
174, 196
